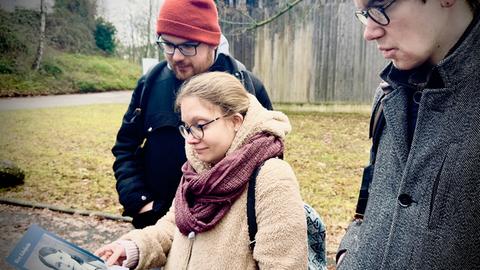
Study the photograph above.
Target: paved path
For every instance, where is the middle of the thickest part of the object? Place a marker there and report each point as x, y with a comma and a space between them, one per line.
18, 103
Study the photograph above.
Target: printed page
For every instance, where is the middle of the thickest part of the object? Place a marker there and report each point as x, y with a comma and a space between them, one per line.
41, 250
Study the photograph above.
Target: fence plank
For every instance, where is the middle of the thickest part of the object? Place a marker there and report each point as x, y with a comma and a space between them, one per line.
314, 53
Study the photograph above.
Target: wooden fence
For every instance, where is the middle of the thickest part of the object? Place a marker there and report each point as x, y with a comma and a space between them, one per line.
314, 53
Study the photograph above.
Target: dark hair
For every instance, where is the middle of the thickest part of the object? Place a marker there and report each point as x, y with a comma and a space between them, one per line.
45, 251
474, 6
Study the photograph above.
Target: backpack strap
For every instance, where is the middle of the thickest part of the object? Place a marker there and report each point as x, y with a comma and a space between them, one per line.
148, 80
241, 73
246, 80
377, 124
251, 214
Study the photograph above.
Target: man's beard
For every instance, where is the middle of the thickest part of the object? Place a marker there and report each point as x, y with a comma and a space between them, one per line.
190, 70
182, 71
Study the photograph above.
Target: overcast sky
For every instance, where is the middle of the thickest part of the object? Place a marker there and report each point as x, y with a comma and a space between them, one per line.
122, 12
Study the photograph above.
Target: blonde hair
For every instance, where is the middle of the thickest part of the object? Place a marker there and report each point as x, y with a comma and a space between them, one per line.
218, 88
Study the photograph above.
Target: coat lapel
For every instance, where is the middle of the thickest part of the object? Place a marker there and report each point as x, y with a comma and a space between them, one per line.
395, 110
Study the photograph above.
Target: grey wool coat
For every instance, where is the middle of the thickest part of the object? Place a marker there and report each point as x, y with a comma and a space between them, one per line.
424, 205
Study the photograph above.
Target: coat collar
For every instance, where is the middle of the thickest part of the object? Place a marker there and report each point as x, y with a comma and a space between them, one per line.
438, 83
464, 56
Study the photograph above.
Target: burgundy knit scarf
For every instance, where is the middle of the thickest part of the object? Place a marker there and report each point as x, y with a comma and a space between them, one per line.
202, 200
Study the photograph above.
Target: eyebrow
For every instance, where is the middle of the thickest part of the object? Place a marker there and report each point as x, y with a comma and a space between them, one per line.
376, 3
195, 121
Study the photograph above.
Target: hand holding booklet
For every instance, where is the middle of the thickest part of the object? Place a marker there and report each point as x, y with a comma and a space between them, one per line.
42, 250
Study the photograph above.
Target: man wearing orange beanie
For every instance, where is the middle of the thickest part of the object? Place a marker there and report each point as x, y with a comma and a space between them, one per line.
149, 150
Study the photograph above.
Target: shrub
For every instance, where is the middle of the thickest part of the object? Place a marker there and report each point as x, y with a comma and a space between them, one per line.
10, 174
71, 26
7, 66
86, 87
105, 36
51, 69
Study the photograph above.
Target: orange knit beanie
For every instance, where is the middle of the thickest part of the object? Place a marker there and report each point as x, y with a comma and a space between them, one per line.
195, 20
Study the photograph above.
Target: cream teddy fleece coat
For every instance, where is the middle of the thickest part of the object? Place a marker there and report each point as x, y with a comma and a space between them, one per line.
281, 240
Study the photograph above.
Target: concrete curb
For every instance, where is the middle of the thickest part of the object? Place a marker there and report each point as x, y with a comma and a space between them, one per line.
64, 209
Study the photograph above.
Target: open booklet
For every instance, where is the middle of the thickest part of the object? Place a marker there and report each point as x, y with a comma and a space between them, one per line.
42, 250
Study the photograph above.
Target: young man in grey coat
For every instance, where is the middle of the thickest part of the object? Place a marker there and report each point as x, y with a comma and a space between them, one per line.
423, 209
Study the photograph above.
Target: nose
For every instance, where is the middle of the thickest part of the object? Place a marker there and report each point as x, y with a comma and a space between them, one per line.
177, 55
191, 140
373, 30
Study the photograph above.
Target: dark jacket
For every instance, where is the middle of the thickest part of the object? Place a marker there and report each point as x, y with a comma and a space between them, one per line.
423, 211
149, 150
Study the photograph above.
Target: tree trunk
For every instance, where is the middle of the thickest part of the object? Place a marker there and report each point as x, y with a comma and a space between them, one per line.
147, 50
133, 54
41, 39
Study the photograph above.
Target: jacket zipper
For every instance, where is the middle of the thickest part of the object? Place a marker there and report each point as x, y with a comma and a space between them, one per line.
191, 238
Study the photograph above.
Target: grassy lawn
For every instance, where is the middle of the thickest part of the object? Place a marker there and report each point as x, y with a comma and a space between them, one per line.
328, 152
67, 158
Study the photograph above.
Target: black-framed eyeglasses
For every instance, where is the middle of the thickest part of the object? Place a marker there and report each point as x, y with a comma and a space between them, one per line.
187, 49
196, 130
376, 13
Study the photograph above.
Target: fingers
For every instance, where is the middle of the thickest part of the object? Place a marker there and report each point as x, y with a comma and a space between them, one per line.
113, 253
103, 250
117, 256
99, 252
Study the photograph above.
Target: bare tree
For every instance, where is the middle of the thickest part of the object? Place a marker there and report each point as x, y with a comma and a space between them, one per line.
41, 39
136, 28
248, 23
286, 8
133, 37
149, 23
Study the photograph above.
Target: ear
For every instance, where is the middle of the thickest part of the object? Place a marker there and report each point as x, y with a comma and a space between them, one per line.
447, 3
212, 48
237, 120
